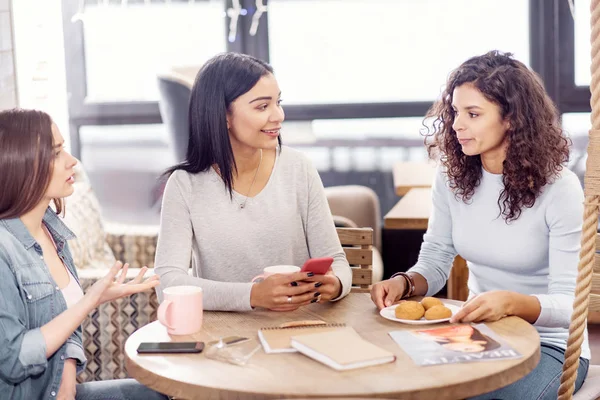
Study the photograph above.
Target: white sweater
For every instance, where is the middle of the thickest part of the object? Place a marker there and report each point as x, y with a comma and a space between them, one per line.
535, 255
288, 222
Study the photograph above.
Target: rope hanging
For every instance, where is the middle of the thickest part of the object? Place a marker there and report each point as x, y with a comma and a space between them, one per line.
590, 222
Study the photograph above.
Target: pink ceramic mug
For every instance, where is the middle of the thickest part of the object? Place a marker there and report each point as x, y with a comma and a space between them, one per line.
181, 309
276, 269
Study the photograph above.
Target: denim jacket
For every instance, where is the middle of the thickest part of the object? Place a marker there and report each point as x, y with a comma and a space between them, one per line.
29, 298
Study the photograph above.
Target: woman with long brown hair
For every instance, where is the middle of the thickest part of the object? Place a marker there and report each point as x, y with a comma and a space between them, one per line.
41, 302
504, 201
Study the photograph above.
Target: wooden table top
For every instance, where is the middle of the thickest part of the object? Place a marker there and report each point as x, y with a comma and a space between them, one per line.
411, 212
292, 375
410, 174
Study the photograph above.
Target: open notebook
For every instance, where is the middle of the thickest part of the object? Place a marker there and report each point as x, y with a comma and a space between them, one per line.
341, 349
277, 339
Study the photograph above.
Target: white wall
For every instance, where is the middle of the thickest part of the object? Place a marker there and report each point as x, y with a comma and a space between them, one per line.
8, 86
40, 59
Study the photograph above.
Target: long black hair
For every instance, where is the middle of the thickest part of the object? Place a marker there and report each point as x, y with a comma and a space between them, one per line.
220, 81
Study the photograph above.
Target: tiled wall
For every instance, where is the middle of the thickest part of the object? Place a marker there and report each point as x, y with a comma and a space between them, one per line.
8, 89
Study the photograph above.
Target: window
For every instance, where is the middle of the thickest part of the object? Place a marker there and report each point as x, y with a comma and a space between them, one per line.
583, 47
369, 61
123, 147
576, 126
360, 144
372, 51
125, 46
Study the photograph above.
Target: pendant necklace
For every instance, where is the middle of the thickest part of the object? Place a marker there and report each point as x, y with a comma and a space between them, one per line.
242, 205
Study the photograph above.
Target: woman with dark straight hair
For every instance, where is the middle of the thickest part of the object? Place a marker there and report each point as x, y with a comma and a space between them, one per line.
241, 201
504, 200
42, 305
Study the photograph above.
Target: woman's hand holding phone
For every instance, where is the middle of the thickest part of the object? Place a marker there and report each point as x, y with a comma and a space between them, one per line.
318, 266
328, 286
315, 282
324, 282
281, 292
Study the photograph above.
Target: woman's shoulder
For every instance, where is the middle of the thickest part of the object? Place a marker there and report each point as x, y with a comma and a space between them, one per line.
442, 180
293, 162
186, 180
564, 200
187, 187
290, 155
9, 244
566, 180
565, 187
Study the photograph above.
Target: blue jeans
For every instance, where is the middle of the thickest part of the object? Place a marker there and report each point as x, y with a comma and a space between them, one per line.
542, 383
118, 389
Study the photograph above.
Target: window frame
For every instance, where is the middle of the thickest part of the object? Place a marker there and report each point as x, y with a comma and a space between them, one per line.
551, 55
573, 98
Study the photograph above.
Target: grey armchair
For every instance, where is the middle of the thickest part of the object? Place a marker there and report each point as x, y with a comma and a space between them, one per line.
175, 88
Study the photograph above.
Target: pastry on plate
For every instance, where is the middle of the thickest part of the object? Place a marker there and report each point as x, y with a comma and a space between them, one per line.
438, 312
429, 302
409, 310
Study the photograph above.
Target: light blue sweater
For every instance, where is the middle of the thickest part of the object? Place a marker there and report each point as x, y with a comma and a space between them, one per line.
535, 255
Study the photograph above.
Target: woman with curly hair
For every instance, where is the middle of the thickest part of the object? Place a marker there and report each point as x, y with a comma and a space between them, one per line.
504, 201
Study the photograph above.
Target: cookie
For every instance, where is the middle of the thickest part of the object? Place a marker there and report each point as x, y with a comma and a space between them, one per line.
429, 302
409, 310
438, 312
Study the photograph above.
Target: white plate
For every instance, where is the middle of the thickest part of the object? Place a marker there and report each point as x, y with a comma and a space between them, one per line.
389, 313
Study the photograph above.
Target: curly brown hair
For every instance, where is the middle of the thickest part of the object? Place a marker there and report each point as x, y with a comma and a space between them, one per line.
537, 147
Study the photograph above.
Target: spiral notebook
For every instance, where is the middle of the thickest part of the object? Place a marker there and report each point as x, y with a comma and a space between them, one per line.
277, 339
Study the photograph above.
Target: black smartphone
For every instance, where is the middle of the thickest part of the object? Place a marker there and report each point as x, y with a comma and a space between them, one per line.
170, 347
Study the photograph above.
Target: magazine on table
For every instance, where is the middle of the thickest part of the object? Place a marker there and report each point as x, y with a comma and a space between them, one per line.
453, 344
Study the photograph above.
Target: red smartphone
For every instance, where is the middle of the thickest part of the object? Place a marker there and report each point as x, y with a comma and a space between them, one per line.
317, 265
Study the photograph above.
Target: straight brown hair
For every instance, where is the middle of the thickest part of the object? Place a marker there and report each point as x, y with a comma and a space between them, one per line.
26, 161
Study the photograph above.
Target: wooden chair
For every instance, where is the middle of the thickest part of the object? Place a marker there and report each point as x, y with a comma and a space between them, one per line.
358, 246
356, 206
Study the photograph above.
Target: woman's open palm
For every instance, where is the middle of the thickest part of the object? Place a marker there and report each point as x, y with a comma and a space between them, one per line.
110, 287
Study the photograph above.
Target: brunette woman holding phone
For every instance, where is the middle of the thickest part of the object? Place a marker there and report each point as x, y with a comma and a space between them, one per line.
241, 201
41, 302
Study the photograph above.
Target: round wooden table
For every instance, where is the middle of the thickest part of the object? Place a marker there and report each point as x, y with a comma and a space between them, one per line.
293, 375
